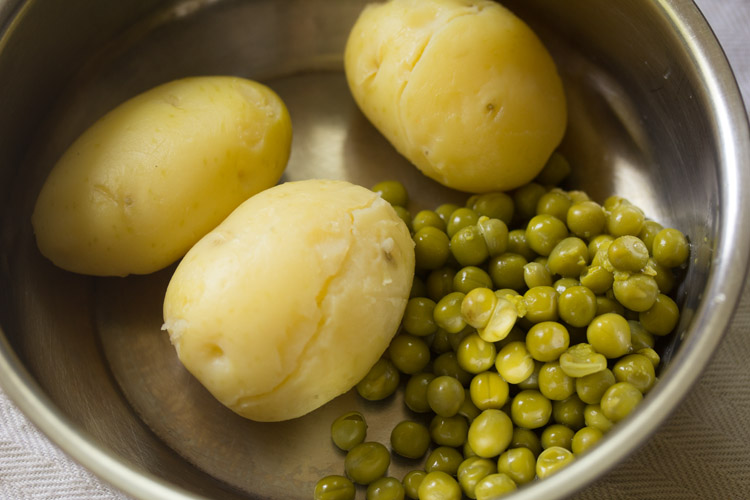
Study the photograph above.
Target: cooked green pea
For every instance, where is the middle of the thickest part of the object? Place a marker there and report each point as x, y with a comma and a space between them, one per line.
597, 278
569, 412
495, 206
425, 218
525, 199
591, 388
514, 362
419, 318
662, 317
447, 313
468, 409
628, 253
443, 459
490, 433
474, 354
445, 210
663, 275
637, 370
652, 355
554, 383
477, 306
367, 462
393, 192
670, 248
540, 304
544, 232
506, 270
408, 353
380, 382
418, 288
577, 305
530, 409
494, 486
564, 283
410, 439
609, 334
449, 431
431, 248
581, 360
546, 341
495, 234
625, 219
471, 277
415, 393
440, 342
348, 430
586, 219
569, 257
599, 242
468, 246
648, 231
594, 417
445, 395
555, 203
461, 217
411, 483
454, 339
447, 364
404, 215
334, 488
552, 460
438, 485
554, 171
620, 400
584, 439
518, 463
557, 435
488, 390
385, 488
517, 243
471, 471
536, 274
606, 305
637, 292
439, 283
526, 438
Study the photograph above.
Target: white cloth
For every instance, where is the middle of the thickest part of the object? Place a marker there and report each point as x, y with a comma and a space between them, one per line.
31, 468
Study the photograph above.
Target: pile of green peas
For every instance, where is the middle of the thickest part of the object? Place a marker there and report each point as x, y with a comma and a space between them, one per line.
530, 331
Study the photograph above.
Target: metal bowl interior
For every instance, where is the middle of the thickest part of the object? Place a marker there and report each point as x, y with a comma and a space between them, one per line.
655, 116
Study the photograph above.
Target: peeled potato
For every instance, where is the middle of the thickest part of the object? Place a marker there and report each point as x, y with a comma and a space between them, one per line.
462, 88
137, 189
291, 300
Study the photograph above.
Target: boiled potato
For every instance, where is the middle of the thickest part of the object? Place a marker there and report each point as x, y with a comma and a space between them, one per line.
462, 88
137, 189
291, 300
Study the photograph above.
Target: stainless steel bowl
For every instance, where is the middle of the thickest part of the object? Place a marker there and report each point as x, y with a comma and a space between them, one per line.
655, 116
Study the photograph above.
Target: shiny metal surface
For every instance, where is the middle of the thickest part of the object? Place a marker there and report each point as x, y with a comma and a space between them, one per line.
655, 116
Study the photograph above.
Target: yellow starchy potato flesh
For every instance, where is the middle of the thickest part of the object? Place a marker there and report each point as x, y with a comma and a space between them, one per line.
290, 301
463, 89
137, 189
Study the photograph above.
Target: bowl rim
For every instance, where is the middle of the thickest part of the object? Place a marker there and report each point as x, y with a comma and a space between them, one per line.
726, 279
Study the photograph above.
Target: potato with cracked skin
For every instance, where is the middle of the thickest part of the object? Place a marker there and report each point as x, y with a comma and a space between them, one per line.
290, 301
463, 89
137, 189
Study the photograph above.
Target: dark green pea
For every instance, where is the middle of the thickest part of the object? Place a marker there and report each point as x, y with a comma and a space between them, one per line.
555, 203
541, 304
447, 313
586, 219
525, 199
591, 388
569, 257
569, 411
348, 430
425, 218
454, 339
532, 382
334, 488
488, 390
597, 278
461, 217
415, 393
628, 253
494, 486
468, 246
490, 433
410, 439
471, 471
494, 205
648, 231
445, 210
637, 370
662, 317
506, 271
620, 400
444, 459
419, 318
584, 439
547, 340
474, 354
670, 248
441, 342
536, 274
380, 382
404, 215
530, 409
625, 219
517, 243
519, 464
637, 292
468, 409
577, 306
408, 353
440, 283
385, 488
544, 232
367, 462
557, 435
495, 234
393, 192
447, 364
470, 277
418, 288
445, 394
552, 460
609, 334
554, 383
526, 438
431, 248
554, 171
411, 483
664, 277
449, 431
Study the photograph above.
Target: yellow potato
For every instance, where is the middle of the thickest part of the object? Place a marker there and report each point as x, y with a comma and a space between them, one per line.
462, 88
291, 300
137, 189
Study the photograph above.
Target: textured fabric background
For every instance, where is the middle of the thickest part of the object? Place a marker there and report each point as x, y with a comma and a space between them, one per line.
700, 453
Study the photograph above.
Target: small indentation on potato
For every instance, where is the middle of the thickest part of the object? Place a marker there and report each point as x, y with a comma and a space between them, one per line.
172, 100
213, 351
